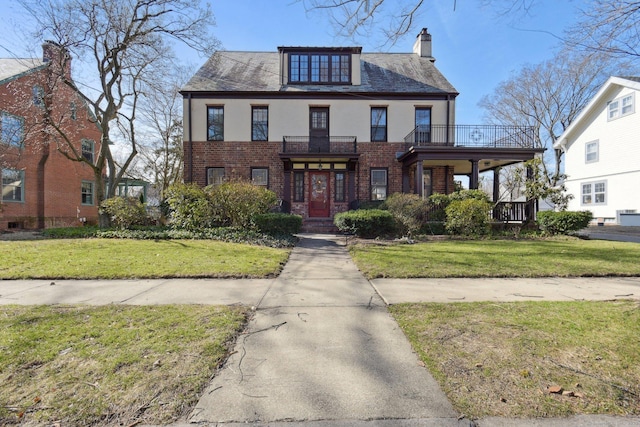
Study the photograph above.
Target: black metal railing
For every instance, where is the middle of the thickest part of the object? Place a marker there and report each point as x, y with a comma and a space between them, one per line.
332, 145
480, 136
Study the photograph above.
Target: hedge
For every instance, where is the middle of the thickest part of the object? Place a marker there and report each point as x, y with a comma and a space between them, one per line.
563, 222
365, 223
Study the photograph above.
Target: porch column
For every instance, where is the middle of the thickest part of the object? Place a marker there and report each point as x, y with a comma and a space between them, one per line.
406, 181
474, 177
419, 178
530, 206
496, 185
286, 193
351, 185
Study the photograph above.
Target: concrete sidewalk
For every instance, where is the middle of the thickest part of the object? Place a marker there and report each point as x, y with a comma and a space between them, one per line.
321, 349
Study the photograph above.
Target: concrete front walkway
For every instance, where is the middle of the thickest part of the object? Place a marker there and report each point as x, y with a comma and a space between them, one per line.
322, 346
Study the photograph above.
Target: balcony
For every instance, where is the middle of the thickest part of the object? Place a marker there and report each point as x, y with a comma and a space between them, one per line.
310, 145
472, 136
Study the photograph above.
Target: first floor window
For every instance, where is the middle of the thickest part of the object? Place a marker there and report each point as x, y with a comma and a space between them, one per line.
260, 176
594, 193
340, 181
215, 123
378, 184
298, 186
11, 129
215, 176
260, 123
87, 193
12, 185
378, 124
88, 149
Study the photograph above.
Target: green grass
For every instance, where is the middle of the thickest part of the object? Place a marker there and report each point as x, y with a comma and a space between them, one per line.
115, 365
562, 257
127, 258
499, 359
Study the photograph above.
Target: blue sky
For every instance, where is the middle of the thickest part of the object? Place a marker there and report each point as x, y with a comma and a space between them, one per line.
474, 48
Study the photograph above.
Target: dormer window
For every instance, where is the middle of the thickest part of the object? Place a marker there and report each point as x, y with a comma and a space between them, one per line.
331, 66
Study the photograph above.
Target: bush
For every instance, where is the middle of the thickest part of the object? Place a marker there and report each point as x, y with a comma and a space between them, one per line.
124, 212
563, 222
190, 207
468, 217
278, 223
410, 211
365, 223
237, 203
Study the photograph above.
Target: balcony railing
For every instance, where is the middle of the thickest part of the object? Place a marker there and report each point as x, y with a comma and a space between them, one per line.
331, 145
474, 136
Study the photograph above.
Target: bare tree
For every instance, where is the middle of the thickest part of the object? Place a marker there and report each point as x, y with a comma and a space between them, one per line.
125, 42
394, 19
608, 26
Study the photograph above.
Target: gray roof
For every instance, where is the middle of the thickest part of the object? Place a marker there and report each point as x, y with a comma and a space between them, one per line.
404, 73
12, 67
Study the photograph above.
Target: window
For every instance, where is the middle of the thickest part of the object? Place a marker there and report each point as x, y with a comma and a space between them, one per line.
38, 96
87, 192
621, 107
319, 68
339, 196
298, 186
423, 124
215, 176
73, 111
591, 152
378, 124
215, 123
88, 149
594, 193
11, 129
259, 123
260, 176
12, 185
378, 184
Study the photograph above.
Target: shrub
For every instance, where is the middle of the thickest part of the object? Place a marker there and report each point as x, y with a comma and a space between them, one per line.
365, 223
563, 222
236, 203
190, 207
468, 217
410, 212
124, 212
278, 223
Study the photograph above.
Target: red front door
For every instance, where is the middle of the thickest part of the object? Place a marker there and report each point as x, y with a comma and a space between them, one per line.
319, 194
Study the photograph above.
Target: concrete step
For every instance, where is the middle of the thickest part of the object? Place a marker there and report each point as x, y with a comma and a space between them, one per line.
318, 225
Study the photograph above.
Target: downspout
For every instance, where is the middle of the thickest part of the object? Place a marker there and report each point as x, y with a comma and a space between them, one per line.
190, 143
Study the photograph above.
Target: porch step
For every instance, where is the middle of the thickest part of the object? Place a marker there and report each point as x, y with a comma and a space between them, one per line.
315, 225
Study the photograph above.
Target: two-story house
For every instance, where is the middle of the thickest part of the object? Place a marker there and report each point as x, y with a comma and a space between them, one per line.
40, 187
327, 128
602, 154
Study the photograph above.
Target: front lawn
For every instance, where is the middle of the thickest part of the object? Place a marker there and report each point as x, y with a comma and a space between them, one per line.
559, 257
109, 365
129, 258
504, 359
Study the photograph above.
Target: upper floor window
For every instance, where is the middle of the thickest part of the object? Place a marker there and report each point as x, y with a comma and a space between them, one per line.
378, 124
11, 129
73, 111
319, 68
423, 124
591, 152
215, 176
88, 148
215, 123
621, 107
12, 185
38, 96
259, 123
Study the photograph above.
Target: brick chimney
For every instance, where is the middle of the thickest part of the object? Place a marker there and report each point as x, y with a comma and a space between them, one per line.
422, 46
58, 57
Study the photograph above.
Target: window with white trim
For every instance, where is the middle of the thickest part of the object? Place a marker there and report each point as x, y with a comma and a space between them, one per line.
591, 152
594, 193
12, 185
621, 107
378, 184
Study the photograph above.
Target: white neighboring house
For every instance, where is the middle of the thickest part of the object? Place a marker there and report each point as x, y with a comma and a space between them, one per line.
602, 154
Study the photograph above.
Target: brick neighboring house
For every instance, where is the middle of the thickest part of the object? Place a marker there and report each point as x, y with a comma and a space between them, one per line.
41, 187
327, 128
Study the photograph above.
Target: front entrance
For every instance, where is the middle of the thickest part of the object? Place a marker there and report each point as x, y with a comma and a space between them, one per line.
319, 194
319, 130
